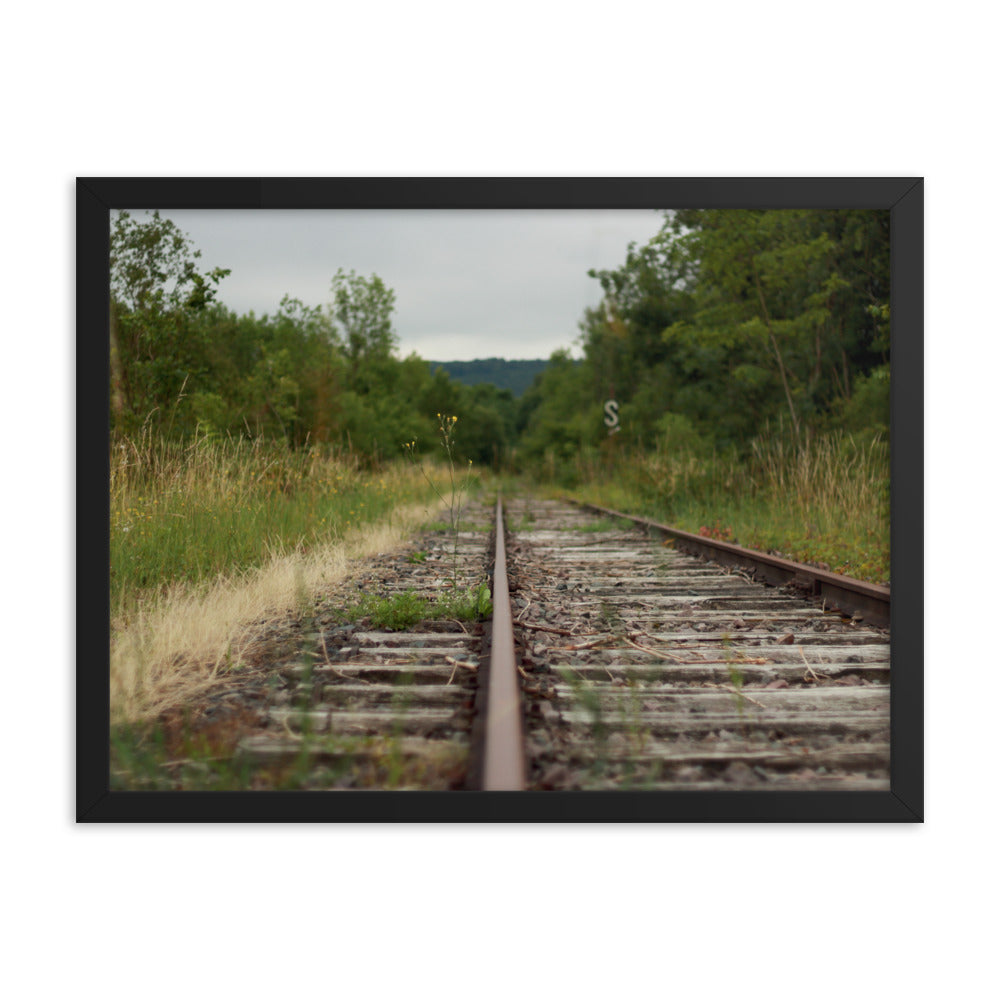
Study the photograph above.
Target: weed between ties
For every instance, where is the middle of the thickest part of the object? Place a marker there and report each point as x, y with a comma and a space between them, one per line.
402, 611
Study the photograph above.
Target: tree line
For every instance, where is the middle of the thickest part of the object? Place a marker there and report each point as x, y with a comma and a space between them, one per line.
516, 375
727, 325
181, 362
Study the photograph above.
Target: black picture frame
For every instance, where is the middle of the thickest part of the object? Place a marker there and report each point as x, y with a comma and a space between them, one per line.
96, 198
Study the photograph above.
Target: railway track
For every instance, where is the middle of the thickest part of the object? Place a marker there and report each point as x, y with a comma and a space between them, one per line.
647, 668
614, 662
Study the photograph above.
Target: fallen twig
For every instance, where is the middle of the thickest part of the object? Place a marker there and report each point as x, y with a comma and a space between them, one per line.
758, 661
326, 658
655, 652
186, 760
458, 663
739, 658
811, 674
586, 645
550, 628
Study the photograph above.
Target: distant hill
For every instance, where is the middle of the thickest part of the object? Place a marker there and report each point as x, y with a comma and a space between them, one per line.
514, 375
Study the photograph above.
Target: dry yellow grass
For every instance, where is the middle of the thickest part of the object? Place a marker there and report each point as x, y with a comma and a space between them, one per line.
181, 644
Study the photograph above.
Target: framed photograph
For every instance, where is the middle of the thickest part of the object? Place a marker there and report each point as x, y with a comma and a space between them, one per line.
500, 499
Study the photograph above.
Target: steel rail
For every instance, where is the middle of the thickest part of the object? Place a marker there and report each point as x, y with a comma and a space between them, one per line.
868, 601
503, 753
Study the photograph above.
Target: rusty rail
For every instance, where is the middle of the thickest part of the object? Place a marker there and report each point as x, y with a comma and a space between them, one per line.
503, 754
868, 601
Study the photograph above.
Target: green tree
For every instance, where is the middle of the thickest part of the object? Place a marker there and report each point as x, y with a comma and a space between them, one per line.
154, 267
764, 279
562, 417
789, 294
723, 325
157, 291
363, 308
649, 292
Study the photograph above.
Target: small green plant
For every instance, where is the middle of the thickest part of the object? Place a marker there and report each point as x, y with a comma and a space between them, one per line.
735, 675
472, 604
404, 610
397, 612
446, 431
416, 557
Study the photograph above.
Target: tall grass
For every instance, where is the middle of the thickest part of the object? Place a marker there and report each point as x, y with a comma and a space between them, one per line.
831, 477
211, 538
187, 513
824, 500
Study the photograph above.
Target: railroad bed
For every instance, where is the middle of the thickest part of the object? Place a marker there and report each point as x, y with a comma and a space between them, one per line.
368, 707
644, 668
637, 668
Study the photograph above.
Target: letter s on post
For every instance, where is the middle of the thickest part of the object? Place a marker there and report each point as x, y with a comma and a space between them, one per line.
611, 415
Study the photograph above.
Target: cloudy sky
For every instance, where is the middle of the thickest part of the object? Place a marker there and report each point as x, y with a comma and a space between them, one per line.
469, 284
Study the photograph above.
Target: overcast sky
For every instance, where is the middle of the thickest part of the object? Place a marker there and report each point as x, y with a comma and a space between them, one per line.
469, 284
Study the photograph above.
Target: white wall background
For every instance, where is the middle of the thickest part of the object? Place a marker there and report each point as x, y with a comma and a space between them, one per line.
774, 88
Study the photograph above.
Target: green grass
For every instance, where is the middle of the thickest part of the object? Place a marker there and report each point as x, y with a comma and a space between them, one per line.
468, 604
404, 610
187, 513
401, 611
826, 502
